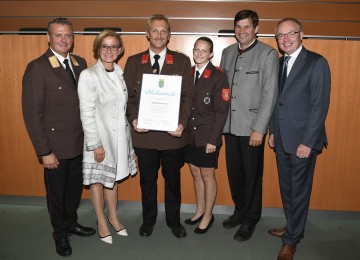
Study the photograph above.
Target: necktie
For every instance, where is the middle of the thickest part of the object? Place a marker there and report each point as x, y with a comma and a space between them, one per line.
69, 71
156, 66
197, 75
284, 72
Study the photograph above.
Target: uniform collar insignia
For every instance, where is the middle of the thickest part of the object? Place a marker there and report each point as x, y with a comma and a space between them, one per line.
74, 61
145, 59
169, 59
54, 62
206, 74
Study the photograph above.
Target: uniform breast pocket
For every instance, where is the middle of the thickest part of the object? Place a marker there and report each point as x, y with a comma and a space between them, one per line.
253, 72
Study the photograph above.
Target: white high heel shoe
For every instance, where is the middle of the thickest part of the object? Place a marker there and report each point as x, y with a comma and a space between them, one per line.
106, 239
121, 231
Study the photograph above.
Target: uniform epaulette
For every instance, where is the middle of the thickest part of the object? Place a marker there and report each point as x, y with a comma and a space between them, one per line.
181, 53
219, 69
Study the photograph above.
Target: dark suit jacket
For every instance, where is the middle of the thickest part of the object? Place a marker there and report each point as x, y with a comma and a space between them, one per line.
51, 106
301, 108
175, 64
210, 110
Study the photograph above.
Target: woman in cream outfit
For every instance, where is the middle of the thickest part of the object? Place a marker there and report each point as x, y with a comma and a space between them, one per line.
108, 152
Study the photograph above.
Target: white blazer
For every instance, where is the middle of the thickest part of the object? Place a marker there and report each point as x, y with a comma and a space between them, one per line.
102, 111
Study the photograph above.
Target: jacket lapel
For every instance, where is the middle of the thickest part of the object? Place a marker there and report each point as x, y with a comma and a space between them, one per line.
76, 67
299, 63
207, 73
168, 66
58, 68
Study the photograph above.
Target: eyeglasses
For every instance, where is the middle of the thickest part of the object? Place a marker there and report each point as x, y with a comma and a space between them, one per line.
290, 35
105, 48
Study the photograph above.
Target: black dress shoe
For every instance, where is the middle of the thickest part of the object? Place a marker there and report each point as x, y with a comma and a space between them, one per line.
244, 233
63, 247
81, 231
145, 230
232, 221
178, 231
193, 222
203, 231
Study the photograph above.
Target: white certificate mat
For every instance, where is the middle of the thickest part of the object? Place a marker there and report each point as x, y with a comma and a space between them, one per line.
159, 102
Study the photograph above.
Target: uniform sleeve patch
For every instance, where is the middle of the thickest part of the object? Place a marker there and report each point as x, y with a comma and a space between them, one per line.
225, 94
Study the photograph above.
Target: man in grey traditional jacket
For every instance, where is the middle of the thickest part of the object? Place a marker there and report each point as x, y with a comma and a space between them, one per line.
252, 70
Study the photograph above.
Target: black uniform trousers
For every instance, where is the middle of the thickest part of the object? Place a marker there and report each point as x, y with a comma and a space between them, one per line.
295, 178
63, 193
245, 165
171, 161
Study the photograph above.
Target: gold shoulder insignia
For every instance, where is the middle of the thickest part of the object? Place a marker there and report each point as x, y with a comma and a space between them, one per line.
54, 62
74, 61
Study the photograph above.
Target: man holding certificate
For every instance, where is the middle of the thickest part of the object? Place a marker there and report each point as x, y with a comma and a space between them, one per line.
160, 89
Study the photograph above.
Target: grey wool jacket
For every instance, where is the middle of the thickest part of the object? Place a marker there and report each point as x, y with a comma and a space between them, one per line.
253, 80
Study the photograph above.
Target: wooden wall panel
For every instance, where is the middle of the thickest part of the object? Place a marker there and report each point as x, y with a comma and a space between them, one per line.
336, 179
339, 18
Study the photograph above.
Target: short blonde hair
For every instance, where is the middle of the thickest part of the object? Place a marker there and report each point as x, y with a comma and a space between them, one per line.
101, 36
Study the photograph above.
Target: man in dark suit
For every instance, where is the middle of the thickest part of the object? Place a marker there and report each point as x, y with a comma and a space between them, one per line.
297, 130
52, 118
155, 148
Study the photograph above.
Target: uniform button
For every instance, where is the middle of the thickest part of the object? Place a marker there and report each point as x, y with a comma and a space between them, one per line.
60, 87
236, 70
234, 83
194, 127
233, 97
193, 118
233, 110
280, 104
52, 129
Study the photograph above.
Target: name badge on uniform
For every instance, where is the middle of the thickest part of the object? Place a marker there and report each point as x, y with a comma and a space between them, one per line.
207, 100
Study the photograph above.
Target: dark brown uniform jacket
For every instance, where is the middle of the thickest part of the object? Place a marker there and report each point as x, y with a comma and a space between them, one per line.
211, 104
175, 64
51, 106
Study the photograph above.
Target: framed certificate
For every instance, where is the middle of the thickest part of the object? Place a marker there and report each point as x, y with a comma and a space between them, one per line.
159, 102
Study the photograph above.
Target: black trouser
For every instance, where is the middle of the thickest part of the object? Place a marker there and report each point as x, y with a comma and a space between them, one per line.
296, 178
245, 165
63, 193
171, 161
